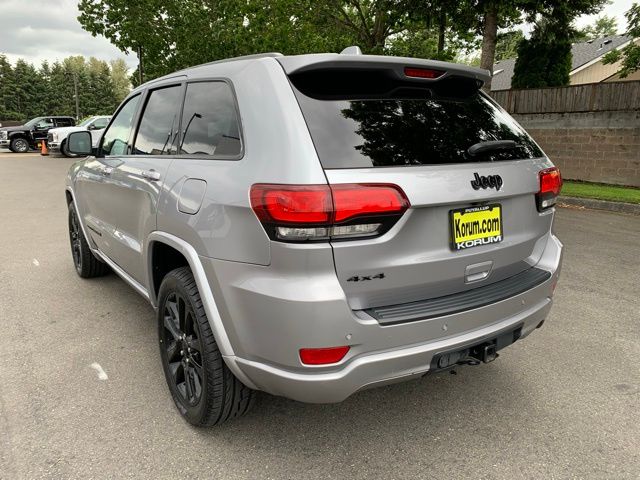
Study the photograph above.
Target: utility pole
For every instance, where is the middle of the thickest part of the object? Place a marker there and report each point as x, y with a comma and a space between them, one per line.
75, 88
140, 67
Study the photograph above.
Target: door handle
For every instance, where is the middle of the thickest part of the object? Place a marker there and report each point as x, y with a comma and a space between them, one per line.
151, 175
106, 171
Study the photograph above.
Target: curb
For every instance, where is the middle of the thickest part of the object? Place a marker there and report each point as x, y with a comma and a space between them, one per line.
592, 203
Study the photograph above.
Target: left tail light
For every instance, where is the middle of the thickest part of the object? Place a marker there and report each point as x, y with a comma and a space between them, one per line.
303, 213
550, 186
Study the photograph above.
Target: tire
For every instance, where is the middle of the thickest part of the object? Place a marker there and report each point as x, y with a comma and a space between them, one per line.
64, 150
203, 388
86, 263
19, 145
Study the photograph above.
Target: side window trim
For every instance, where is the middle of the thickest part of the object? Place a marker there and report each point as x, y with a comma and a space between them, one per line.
229, 83
142, 96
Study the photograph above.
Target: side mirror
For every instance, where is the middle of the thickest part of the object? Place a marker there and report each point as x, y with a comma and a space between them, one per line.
91, 127
79, 143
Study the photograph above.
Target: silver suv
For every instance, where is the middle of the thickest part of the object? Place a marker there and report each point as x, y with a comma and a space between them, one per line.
311, 226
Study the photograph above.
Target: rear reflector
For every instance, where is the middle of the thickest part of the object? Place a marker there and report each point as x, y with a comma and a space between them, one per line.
550, 186
298, 213
322, 356
422, 72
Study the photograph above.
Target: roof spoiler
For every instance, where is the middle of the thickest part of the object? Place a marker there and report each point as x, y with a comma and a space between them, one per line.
351, 58
353, 76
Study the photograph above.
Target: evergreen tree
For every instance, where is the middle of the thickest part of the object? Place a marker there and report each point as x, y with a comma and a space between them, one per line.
544, 60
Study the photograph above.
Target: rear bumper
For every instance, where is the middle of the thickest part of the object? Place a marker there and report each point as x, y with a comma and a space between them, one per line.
267, 330
382, 368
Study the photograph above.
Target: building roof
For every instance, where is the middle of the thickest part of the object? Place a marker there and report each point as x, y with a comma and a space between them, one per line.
581, 54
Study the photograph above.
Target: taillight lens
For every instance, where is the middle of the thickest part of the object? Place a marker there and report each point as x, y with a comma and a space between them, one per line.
322, 356
550, 186
299, 213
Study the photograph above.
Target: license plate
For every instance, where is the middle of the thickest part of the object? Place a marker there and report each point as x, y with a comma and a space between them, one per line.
475, 226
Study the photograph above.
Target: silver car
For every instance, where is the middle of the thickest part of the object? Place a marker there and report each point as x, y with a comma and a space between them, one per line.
312, 226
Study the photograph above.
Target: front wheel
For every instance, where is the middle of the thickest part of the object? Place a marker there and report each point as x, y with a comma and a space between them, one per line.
203, 388
19, 145
87, 265
65, 150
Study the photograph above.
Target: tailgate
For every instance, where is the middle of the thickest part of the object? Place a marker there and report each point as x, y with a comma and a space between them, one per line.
426, 128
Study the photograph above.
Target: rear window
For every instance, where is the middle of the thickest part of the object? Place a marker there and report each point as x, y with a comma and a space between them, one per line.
405, 128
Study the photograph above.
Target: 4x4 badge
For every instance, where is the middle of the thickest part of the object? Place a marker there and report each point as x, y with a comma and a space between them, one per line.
490, 181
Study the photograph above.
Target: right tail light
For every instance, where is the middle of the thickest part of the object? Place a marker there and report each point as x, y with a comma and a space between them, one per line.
550, 185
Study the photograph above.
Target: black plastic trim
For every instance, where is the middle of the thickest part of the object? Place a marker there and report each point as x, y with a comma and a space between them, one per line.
460, 302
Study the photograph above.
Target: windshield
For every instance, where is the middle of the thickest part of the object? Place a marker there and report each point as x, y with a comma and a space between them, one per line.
86, 122
32, 122
386, 132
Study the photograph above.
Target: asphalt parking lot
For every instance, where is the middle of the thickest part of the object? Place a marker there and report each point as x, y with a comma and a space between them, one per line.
563, 403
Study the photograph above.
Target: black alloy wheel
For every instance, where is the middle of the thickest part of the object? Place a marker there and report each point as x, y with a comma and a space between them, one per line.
75, 239
203, 388
86, 263
182, 349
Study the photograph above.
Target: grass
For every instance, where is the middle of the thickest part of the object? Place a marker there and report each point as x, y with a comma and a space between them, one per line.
601, 191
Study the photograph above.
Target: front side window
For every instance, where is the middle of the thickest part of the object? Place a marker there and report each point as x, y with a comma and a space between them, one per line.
115, 139
210, 123
159, 125
44, 124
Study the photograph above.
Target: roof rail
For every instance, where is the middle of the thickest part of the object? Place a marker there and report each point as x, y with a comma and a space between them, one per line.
242, 57
352, 50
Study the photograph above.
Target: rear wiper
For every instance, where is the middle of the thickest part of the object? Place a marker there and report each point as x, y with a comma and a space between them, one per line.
488, 146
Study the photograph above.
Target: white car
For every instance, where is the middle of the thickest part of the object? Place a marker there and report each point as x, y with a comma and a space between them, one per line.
56, 139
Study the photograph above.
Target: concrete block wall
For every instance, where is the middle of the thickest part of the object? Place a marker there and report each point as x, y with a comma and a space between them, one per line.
595, 146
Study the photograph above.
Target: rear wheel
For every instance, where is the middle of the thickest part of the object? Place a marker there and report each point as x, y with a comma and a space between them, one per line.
87, 265
19, 145
203, 389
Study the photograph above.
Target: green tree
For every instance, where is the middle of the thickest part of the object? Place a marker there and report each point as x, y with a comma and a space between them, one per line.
175, 34
507, 44
544, 60
120, 80
8, 105
629, 56
603, 26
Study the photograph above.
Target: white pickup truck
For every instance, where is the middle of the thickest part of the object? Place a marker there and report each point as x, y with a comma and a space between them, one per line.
56, 138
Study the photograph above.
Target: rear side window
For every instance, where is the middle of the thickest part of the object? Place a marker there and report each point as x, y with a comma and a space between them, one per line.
159, 124
417, 127
210, 122
116, 137
64, 122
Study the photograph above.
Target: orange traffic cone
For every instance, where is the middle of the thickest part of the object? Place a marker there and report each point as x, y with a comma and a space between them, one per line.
45, 150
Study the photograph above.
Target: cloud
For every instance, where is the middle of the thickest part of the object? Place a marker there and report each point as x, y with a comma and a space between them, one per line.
38, 30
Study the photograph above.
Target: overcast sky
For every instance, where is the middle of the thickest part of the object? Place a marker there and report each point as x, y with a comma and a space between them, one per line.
38, 30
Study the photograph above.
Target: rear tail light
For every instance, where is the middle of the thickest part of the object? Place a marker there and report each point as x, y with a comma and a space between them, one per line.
550, 185
302, 213
322, 356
